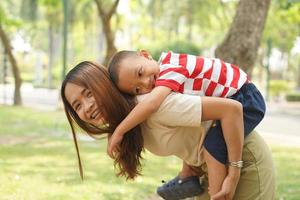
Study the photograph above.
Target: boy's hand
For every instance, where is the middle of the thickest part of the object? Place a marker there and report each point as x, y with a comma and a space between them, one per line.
228, 187
113, 144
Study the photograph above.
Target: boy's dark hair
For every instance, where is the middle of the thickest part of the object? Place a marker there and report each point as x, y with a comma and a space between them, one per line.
115, 61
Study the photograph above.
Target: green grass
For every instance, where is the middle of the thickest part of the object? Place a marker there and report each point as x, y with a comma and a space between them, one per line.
47, 169
19, 121
38, 161
287, 163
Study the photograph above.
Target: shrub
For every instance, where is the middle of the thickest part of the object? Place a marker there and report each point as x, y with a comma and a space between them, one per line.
278, 87
175, 46
294, 96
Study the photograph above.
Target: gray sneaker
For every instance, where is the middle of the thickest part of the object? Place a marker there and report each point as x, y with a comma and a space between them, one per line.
178, 188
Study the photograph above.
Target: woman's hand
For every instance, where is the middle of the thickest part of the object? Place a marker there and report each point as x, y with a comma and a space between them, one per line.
113, 143
229, 185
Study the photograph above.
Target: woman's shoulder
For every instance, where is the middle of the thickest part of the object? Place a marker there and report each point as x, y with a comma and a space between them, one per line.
178, 110
175, 100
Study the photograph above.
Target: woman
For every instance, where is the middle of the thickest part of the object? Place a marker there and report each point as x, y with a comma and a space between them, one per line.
94, 103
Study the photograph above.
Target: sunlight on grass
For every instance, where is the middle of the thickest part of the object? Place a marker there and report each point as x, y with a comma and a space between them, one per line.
45, 166
50, 170
25, 121
287, 163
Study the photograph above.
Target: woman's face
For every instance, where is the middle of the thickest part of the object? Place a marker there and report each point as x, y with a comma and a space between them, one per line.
84, 104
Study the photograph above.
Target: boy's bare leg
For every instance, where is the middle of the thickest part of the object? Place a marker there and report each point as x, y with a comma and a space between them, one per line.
216, 173
187, 171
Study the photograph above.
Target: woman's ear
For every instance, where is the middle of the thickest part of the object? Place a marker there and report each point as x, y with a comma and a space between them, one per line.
145, 54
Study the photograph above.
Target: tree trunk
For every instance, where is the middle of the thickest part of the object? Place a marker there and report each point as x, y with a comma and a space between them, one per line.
110, 39
50, 53
15, 69
190, 21
260, 60
298, 77
243, 38
65, 37
105, 15
153, 5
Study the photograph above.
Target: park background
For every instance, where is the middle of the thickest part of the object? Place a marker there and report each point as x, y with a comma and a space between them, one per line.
42, 39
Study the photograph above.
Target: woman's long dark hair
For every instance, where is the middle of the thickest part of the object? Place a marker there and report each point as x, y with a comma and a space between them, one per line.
116, 106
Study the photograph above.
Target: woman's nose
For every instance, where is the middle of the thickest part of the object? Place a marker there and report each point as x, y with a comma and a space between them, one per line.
88, 106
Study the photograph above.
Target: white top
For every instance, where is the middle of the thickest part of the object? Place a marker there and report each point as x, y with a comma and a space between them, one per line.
175, 129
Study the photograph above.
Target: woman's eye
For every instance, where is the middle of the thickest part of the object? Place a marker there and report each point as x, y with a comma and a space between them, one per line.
89, 94
77, 107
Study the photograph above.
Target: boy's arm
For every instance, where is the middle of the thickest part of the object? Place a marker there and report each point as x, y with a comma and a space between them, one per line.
143, 109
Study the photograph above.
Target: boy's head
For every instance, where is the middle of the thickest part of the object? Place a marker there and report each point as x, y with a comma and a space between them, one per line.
133, 72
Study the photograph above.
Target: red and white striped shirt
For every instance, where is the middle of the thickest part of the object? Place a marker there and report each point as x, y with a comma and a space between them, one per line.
201, 76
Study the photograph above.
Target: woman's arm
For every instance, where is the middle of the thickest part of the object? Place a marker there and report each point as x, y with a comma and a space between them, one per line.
230, 113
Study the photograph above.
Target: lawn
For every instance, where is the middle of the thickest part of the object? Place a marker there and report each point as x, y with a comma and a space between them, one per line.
38, 161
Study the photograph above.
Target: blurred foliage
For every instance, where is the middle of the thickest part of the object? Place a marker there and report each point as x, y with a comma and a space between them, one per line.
148, 24
7, 19
283, 24
278, 87
175, 46
28, 10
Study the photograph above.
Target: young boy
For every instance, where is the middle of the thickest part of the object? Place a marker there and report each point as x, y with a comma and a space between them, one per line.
137, 73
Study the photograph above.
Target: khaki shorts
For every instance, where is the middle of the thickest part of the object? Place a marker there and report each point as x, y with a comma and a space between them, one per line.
257, 180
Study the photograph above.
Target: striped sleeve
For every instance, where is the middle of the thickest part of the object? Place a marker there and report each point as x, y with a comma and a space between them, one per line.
172, 77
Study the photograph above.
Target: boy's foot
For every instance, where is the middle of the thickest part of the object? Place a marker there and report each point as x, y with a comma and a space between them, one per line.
178, 188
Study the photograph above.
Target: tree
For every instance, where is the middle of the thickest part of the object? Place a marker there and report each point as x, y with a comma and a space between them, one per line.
65, 37
197, 21
28, 10
243, 38
14, 65
8, 49
106, 14
282, 27
54, 20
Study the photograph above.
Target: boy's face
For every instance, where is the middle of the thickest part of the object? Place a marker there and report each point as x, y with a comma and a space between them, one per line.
138, 74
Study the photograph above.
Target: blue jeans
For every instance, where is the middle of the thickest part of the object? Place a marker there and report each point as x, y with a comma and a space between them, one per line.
253, 112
